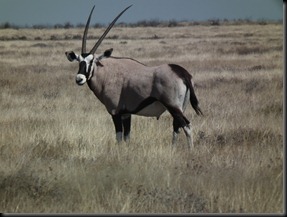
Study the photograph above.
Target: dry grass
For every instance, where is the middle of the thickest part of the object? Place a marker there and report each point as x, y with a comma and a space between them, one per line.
57, 147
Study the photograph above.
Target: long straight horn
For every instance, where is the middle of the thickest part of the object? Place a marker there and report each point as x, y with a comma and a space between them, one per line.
106, 32
86, 32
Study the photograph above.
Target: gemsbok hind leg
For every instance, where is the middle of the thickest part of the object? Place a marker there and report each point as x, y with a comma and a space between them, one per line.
188, 132
179, 120
175, 133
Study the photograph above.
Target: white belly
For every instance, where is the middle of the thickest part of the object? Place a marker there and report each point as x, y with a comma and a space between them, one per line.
153, 110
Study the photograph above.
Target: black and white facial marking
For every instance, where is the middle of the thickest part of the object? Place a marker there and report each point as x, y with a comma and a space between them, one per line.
87, 62
85, 68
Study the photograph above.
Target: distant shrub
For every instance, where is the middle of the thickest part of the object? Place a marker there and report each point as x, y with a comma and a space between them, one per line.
244, 50
248, 34
113, 37
172, 23
68, 25
55, 37
22, 37
58, 26
80, 25
148, 23
39, 45
40, 26
262, 22
214, 22
98, 25
67, 37
7, 25
77, 37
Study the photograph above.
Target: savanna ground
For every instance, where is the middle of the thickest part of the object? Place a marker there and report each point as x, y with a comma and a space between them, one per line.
58, 151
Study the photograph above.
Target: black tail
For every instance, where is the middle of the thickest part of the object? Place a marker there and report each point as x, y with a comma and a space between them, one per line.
194, 101
186, 77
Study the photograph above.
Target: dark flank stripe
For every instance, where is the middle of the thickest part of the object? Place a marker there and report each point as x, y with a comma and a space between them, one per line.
126, 58
146, 102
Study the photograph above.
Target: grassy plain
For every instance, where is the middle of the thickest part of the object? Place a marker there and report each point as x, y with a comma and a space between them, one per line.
58, 152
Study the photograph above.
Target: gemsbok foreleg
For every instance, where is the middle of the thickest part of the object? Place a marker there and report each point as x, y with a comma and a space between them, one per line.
117, 119
122, 126
127, 127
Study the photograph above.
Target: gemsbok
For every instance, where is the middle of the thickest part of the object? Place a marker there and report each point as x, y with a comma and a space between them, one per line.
127, 87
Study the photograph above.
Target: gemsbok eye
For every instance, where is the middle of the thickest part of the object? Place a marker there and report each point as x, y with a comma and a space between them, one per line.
127, 87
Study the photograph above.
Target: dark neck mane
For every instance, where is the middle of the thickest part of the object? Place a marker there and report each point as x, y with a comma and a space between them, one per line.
119, 58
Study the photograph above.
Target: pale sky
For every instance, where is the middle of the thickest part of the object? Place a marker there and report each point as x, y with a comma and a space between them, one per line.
36, 12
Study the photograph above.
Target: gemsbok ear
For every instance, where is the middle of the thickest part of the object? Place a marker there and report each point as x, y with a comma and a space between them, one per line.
71, 56
108, 53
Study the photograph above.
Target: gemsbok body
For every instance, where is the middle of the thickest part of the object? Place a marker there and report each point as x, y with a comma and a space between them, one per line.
127, 87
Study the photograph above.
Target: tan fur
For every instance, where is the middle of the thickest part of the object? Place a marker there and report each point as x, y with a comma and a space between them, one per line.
122, 84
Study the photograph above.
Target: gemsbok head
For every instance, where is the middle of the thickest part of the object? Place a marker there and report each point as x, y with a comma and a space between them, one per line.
127, 87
